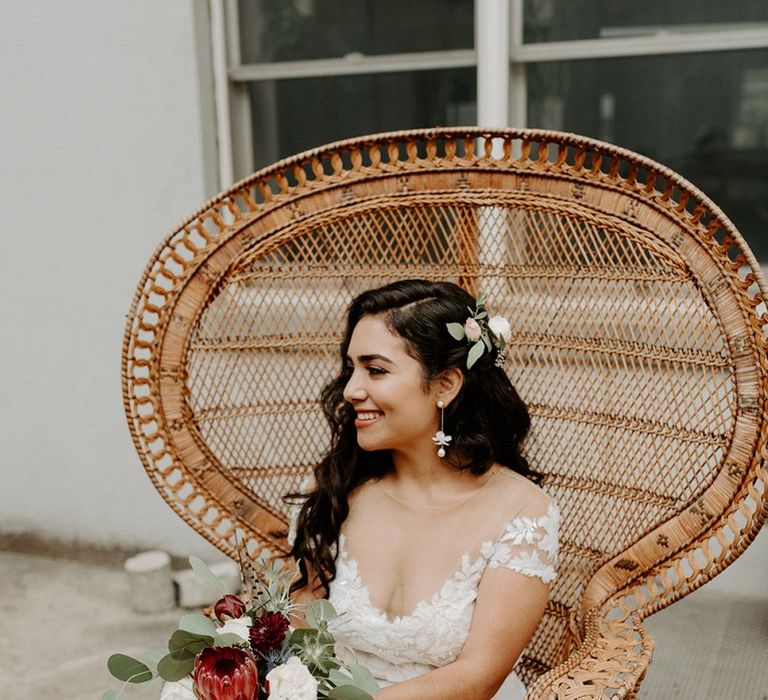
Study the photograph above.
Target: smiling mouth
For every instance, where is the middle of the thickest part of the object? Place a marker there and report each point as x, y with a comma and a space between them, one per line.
365, 418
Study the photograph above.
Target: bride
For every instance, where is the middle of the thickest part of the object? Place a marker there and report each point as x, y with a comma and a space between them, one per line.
424, 526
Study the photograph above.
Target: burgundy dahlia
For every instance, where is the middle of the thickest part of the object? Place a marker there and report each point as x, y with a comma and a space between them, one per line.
268, 632
230, 606
225, 673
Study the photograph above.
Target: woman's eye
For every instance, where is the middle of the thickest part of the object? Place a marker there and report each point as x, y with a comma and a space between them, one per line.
372, 369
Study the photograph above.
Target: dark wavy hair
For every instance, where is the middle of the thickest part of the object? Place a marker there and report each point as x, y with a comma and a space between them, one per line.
487, 419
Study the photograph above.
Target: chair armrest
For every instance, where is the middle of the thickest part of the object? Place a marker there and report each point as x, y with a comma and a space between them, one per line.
609, 664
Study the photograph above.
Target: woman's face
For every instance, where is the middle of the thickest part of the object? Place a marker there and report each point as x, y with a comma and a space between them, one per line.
387, 390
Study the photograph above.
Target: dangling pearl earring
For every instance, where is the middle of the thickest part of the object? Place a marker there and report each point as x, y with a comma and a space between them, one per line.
441, 439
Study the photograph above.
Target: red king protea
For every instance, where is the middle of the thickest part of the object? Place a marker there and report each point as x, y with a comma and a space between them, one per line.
225, 673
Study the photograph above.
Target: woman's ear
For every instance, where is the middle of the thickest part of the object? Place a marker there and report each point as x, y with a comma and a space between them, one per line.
448, 384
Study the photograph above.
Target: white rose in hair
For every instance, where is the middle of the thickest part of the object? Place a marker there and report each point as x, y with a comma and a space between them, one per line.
240, 626
500, 327
292, 681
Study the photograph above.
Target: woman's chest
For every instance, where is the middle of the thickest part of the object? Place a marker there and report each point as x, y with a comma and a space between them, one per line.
432, 630
402, 562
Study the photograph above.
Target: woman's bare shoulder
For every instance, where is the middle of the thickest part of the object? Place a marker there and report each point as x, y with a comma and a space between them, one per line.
519, 495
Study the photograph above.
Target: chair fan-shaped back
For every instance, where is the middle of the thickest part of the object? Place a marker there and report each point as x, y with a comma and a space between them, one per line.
636, 341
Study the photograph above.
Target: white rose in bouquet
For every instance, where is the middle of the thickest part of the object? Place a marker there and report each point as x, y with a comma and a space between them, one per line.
500, 327
240, 626
292, 681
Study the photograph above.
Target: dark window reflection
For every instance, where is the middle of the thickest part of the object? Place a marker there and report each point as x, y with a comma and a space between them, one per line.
565, 20
293, 115
294, 30
703, 115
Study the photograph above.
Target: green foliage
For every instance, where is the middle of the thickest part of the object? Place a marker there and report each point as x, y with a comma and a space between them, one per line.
320, 612
189, 641
270, 583
229, 639
198, 624
315, 649
206, 575
456, 330
352, 683
363, 678
126, 668
176, 665
475, 353
348, 692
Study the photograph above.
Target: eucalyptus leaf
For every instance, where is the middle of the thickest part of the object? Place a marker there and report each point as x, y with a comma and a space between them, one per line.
364, 679
337, 677
319, 611
481, 315
111, 695
126, 668
176, 665
349, 692
456, 330
487, 340
325, 665
301, 635
198, 624
189, 641
228, 639
475, 352
206, 575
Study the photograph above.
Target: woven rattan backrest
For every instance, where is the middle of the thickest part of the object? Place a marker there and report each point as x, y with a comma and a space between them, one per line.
637, 344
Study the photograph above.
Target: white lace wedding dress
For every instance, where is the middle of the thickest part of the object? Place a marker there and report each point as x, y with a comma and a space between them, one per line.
433, 634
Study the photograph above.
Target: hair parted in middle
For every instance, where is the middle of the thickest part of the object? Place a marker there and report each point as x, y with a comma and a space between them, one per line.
487, 419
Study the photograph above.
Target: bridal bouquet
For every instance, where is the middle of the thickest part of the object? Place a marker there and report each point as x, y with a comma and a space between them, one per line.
247, 649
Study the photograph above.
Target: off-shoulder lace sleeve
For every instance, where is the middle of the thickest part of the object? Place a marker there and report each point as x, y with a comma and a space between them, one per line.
528, 545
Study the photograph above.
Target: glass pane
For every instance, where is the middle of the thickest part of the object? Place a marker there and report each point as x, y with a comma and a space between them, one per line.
565, 20
293, 115
295, 30
703, 115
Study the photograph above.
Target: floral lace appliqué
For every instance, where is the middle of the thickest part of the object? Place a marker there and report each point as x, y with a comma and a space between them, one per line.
527, 545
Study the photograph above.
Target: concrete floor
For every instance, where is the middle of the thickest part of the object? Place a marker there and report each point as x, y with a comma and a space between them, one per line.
61, 620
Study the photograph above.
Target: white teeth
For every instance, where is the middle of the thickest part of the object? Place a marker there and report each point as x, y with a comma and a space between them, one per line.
367, 416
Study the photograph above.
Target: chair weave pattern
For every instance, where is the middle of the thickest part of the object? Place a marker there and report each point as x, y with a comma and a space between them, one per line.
638, 345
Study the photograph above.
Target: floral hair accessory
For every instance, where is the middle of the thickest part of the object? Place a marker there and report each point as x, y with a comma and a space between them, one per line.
483, 333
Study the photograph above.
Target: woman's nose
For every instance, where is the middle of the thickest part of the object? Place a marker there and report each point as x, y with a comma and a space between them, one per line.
354, 390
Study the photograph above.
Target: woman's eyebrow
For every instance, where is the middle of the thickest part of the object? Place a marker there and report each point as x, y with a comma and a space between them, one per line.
370, 358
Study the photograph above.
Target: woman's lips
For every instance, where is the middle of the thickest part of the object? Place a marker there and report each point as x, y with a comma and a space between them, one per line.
366, 418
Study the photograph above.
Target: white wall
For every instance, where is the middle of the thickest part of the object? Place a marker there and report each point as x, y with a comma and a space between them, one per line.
102, 145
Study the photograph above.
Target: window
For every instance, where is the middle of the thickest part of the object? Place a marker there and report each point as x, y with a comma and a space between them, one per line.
685, 83
305, 72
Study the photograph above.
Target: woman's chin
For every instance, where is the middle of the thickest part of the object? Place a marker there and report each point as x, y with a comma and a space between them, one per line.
367, 447
371, 445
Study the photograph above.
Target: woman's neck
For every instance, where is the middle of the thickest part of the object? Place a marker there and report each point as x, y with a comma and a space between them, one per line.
420, 472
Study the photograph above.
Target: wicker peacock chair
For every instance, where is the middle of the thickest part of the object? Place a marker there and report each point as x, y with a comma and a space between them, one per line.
638, 345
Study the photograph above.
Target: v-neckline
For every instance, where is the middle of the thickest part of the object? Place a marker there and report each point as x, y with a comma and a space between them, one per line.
463, 565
